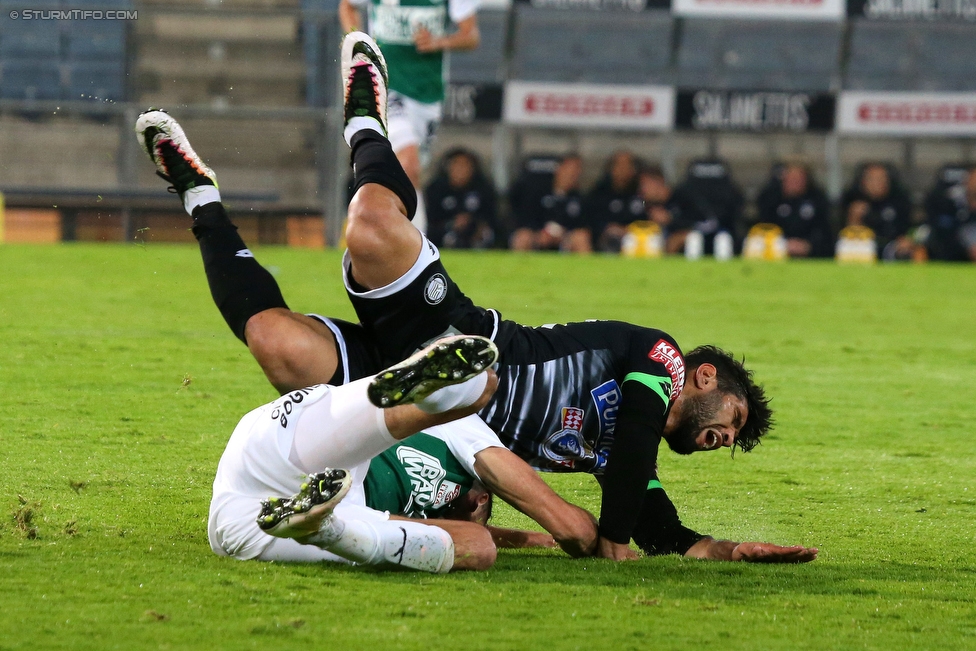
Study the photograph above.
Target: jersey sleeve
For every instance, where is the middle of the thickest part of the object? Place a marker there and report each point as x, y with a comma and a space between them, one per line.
465, 438
653, 378
659, 530
459, 10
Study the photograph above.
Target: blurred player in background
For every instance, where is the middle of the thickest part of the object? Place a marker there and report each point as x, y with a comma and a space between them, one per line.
301, 445
414, 37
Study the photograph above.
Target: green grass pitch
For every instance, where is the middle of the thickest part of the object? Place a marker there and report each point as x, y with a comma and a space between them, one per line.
119, 385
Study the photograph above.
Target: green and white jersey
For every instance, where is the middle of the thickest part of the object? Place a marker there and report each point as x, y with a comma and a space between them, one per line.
392, 24
425, 472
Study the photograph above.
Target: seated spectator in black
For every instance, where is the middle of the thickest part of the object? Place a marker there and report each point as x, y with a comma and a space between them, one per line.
878, 201
951, 216
614, 202
662, 206
713, 204
548, 211
461, 204
794, 202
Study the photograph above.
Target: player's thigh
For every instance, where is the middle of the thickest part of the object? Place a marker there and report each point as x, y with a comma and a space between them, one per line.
293, 350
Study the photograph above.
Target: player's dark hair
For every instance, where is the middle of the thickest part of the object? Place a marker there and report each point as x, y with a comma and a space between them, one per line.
735, 379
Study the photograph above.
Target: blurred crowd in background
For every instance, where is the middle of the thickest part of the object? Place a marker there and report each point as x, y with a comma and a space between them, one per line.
548, 208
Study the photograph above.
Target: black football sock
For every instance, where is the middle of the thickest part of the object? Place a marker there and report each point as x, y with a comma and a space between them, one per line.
373, 161
239, 285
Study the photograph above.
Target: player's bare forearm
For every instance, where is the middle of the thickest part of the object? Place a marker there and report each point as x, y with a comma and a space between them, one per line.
520, 539
349, 17
750, 552
467, 37
511, 479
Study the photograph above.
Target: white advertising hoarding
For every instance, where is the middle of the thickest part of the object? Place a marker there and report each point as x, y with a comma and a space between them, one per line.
596, 106
788, 9
887, 113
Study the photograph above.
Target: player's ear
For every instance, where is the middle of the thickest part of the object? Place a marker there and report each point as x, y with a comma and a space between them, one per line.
706, 377
483, 498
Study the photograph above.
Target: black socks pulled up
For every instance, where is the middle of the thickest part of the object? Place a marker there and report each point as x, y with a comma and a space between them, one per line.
239, 285
373, 161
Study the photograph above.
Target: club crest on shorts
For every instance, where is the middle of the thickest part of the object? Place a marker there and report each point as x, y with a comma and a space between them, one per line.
436, 289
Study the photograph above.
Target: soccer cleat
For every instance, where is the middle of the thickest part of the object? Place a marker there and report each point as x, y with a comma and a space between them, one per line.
302, 514
163, 139
447, 361
364, 79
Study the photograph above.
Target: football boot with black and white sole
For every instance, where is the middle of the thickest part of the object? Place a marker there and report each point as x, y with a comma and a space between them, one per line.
302, 514
447, 361
161, 136
364, 79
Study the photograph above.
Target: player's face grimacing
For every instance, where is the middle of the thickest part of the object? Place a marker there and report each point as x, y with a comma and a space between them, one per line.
702, 417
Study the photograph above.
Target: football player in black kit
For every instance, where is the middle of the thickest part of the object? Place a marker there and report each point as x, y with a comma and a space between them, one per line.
592, 397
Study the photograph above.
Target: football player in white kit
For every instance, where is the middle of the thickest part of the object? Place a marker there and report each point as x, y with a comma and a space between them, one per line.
300, 443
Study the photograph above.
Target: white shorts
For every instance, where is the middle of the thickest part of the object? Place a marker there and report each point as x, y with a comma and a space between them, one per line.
256, 465
412, 123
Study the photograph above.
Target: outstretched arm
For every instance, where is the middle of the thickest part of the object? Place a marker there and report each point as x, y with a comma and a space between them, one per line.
751, 552
519, 539
514, 481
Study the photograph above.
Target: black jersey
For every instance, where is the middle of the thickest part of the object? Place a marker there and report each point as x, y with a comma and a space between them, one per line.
560, 389
591, 397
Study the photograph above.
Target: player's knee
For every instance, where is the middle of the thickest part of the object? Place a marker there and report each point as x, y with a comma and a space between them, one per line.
368, 222
276, 355
260, 328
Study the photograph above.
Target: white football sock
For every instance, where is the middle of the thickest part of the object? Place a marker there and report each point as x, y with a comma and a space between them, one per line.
359, 123
199, 196
408, 544
455, 396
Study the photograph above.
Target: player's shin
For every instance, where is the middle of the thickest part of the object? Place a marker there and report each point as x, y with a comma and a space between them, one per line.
457, 396
405, 544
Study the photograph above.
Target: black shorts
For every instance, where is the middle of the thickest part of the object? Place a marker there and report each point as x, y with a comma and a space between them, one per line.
357, 354
423, 305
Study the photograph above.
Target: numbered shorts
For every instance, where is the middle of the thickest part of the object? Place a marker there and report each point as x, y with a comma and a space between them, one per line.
412, 123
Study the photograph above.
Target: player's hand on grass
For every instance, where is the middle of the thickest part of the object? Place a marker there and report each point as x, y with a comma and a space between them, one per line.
614, 551
760, 552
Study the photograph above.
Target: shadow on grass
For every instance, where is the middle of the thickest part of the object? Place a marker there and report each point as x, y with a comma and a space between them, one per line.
689, 579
